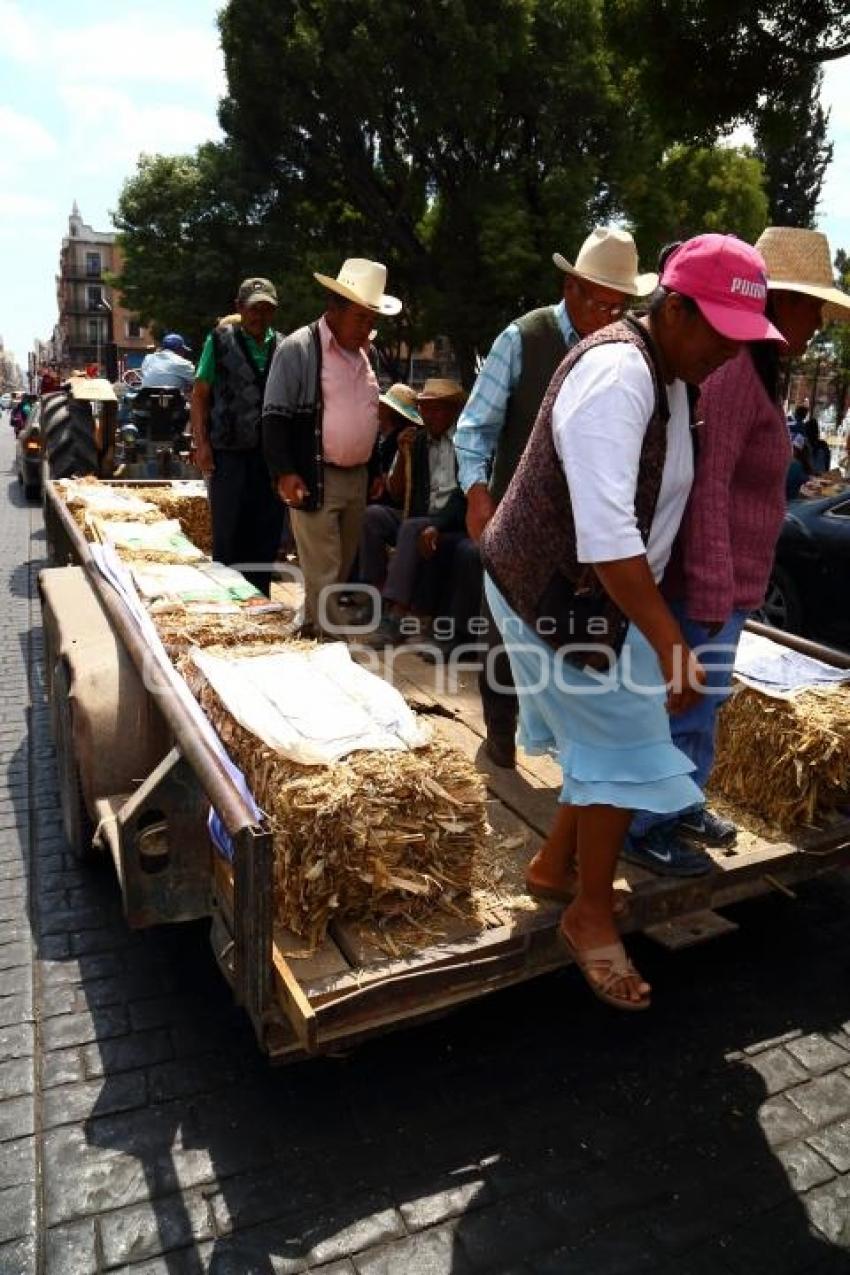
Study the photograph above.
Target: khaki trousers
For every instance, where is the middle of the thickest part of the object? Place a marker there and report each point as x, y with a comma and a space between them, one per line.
327, 539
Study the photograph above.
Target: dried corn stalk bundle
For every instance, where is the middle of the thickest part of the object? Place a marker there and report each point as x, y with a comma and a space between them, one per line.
380, 835
192, 512
787, 761
180, 630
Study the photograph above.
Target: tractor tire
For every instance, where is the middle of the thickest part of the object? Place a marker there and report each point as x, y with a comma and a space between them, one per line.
69, 439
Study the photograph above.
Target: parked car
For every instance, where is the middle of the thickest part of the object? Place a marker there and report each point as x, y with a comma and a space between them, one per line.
809, 589
5, 401
28, 455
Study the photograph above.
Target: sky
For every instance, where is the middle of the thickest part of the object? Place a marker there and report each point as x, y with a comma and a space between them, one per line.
85, 86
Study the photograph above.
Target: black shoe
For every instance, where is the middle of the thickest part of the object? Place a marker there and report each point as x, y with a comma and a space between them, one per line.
707, 828
501, 750
666, 854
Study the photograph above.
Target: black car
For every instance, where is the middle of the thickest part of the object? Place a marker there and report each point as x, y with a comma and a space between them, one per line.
28, 454
809, 589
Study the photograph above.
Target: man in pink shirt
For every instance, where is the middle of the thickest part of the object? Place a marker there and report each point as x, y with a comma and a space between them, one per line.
320, 424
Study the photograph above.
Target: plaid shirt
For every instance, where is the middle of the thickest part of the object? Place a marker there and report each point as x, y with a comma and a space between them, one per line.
483, 417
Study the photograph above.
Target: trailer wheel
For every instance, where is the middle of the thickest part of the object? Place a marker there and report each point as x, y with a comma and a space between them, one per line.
69, 438
76, 821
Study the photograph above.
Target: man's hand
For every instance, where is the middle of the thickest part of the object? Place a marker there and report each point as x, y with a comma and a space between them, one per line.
685, 678
204, 457
292, 490
428, 540
480, 507
406, 438
377, 487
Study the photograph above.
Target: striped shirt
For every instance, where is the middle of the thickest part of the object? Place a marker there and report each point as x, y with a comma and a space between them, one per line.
483, 417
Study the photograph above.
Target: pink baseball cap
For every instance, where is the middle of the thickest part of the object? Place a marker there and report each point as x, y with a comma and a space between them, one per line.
728, 281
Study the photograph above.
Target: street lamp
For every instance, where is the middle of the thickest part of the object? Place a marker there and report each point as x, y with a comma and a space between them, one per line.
111, 351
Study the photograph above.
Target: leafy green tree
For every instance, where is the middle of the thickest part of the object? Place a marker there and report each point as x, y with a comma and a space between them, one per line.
839, 334
188, 234
696, 190
791, 141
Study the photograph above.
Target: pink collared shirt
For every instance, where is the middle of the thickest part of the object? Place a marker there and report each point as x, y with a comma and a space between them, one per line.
350, 397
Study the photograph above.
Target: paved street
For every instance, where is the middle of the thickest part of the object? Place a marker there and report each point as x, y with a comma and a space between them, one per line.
533, 1132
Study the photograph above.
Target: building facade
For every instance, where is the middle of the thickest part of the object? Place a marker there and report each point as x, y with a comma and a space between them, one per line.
91, 314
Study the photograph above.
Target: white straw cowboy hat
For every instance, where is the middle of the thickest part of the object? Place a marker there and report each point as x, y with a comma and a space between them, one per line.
800, 261
362, 281
609, 257
441, 387
402, 399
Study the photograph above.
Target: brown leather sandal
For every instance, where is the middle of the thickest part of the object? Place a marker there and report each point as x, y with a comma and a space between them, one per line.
603, 968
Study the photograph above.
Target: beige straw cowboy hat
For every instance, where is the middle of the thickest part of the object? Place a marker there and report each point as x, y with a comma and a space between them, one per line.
402, 399
800, 261
362, 281
609, 257
442, 387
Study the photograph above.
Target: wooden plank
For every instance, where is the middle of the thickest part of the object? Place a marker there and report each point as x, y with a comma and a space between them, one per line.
294, 1002
306, 965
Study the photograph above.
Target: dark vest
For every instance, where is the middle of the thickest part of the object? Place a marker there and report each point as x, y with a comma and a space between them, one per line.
237, 394
543, 348
529, 546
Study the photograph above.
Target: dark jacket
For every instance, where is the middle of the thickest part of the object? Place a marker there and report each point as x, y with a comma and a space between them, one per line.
237, 392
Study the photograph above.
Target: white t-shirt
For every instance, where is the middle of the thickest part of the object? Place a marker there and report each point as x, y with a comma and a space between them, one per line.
598, 424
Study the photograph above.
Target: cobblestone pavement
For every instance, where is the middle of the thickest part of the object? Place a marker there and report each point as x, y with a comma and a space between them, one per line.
533, 1132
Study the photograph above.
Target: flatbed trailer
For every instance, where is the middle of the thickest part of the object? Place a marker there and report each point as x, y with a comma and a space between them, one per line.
137, 779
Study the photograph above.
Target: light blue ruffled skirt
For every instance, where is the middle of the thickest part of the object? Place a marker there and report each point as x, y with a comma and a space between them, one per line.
609, 732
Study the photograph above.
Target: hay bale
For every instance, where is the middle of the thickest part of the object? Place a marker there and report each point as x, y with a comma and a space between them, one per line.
192, 512
378, 836
786, 761
181, 630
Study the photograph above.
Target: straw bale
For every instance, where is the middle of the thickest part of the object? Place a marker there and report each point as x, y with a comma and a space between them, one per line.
192, 512
379, 836
786, 761
181, 630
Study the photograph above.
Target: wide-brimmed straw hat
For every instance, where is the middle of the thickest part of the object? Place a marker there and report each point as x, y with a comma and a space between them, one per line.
402, 399
441, 387
800, 261
362, 281
609, 257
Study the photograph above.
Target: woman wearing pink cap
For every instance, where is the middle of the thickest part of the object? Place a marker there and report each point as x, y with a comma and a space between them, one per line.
573, 557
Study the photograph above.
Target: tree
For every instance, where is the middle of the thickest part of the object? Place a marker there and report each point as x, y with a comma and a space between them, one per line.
188, 233
839, 334
791, 141
696, 190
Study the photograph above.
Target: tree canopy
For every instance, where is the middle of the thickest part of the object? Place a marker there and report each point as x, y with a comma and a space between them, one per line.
460, 142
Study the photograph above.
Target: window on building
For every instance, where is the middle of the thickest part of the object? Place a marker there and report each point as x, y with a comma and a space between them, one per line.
94, 297
94, 332
134, 329
93, 264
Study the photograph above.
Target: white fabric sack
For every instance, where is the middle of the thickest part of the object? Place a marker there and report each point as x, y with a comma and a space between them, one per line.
313, 707
778, 671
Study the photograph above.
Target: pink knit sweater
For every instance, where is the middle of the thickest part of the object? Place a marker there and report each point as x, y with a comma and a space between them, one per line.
737, 503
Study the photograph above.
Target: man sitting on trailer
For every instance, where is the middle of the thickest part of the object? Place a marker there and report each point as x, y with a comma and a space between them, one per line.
432, 508
227, 404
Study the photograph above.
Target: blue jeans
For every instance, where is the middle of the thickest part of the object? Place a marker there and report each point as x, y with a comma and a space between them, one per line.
693, 731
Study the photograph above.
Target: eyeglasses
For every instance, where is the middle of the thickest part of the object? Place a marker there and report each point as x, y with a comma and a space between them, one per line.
612, 308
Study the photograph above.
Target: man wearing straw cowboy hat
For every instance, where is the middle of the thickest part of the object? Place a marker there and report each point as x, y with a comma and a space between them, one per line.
496, 422
724, 557
320, 423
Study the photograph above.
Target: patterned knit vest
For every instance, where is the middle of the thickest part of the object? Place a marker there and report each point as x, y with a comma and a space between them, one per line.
237, 398
543, 348
529, 546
